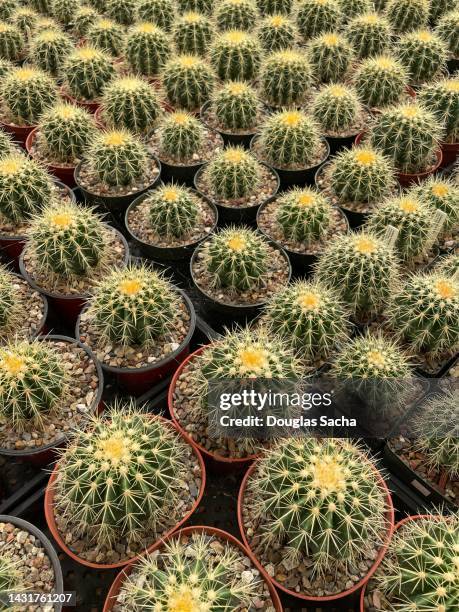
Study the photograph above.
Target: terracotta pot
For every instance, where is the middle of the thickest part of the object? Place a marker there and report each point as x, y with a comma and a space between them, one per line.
90, 106
450, 152
224, 535
19, 132
49, 514
63, 173
214, 462
337, 596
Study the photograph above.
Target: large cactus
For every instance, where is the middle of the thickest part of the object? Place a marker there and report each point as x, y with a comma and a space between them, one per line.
277, 32
317, 16
107, 35
192, 33
172, 211
303, 214
442, 194
12, 42
236, 106
369, 34
337, 109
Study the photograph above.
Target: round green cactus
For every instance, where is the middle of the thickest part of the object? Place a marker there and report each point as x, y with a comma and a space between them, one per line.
271, 7
407, 15
381, 81
133, 459
199, 6
236, 55
423, 53
448, 265
7, 9
33, 383
233, 173
276, 32
438, 8
352, 8
87, 71
442, 98
65, 132
303, 214
308, 491
67, 239
107, 35
159, 12
133, 306
192, 33
330, 56
310, 316
24, 187
64, 10
181, 136
45, 22
84, 18
236, 106
236, 14
289, 138
314, 17
172, 211
12, 42
369, 34
448, 31
337, 109
409, 134
362, 268
117, 157
410, 572
188, 81
441, 193
122, 11
147, 48
49, 50
285, 78
130, 103
25, 19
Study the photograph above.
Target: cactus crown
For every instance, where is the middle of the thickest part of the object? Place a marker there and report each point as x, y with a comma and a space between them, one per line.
236, 55
285, 78
317, 16
188, 81
67, 239
304, 214
369, 34
173, 210
381, 81
133, 459
147, 48
423, 53
336, 108
310, 316
49, 49
307, 494
33, 383
276, 32
330, 55
117, 157
134, 306
87, 70
236, 106
107, 35
442, 98
234, 173
27, 92
181, 135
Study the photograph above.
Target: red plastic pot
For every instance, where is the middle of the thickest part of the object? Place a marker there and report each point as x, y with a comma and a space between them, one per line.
46, 454
19, 132
63, 173
224, 535
216, 463
338, 596
137, 381
49, 515
450, 151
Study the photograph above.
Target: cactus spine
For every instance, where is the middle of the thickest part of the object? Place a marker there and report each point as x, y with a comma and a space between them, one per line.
337, 109
181, 136
87, 71
285, 78
381, 81
330, 56
236, 55
147, 48
188, 81
423, 53
173, 211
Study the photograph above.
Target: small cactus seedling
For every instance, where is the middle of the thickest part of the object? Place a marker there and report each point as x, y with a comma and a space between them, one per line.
27, 93
271, 7
147, 48
289, 139
84, 18
24, 187
285, 78
277, 32
330, 56
310, 316
369, 34
49, 49
407, 15
423, 53
409, 134
233, 173
117, 157
421, 565
122, 11
315, 17
12, 42
442, 194
64, 10
448, 31
133, 459
172, 211
236, 55
65, 132
188, 81
133, 306
236, 106
181, 136
337, 109
159, 12
362, 268
206, 7
192, 33
130, 103
381, 81
291, 478
442, 98
304, 214
236, 14
106, 35
424, 313
168, 581
33, 383
87, 71
67, 240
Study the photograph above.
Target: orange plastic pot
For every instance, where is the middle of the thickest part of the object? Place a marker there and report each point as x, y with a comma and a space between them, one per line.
49, 515
63, 173
337, 596
223, 535
216, 463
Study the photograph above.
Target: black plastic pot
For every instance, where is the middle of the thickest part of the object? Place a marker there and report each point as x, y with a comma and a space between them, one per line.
179, 174
240, 139
336, 143
304, 176
247, 214
442, 370
176, 253
49, 548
